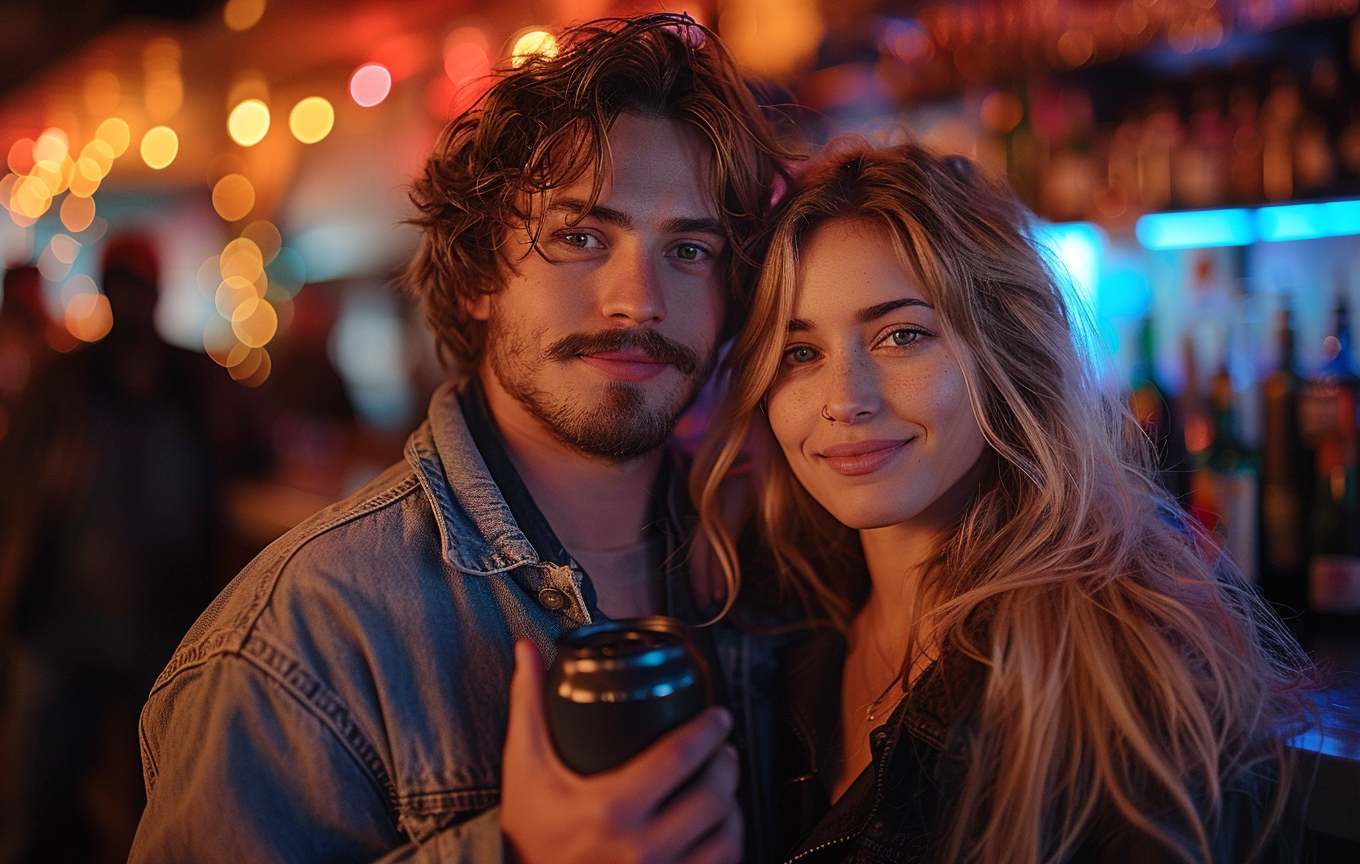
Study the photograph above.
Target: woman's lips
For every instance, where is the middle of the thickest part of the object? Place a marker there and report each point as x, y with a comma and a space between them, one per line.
625, 365
863, 457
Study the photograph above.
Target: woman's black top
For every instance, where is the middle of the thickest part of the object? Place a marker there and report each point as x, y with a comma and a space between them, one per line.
898, 809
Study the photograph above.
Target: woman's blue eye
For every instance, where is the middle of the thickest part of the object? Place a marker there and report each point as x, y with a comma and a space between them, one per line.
903, 337
801, 354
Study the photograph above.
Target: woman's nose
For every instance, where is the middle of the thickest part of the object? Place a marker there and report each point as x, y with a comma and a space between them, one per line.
852, 394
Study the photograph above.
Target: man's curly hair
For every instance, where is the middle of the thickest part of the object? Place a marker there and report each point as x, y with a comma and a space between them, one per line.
543, 125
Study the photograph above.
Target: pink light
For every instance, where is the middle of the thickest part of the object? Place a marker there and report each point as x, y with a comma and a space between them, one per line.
370, 84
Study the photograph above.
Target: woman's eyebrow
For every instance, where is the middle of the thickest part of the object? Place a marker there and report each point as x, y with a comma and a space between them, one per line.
878, 310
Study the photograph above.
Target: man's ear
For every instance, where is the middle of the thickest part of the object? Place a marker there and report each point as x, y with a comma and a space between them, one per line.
479, 308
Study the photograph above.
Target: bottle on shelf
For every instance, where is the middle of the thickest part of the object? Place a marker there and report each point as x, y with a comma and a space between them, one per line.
1327, 418
1285, 471
1225, 488
1157, 415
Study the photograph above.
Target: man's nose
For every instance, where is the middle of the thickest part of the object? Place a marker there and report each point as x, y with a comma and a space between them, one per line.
852, 390
631, 291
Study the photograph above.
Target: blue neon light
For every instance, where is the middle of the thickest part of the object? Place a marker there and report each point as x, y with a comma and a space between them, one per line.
1198, 229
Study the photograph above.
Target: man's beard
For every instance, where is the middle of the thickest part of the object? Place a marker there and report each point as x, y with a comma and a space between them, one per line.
622, 426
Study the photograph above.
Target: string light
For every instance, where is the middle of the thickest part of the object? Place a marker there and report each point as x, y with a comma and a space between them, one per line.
370, 84
160, 145
311, 119
248, 123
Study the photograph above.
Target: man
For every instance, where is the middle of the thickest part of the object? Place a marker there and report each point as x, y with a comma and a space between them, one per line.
345, 699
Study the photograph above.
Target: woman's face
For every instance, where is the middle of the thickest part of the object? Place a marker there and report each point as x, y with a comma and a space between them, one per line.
865, 349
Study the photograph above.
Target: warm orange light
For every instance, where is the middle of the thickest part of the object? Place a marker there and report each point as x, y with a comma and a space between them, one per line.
533, 42
115, 132
89, 317
266, 238
99, 152
1002, 111
242, 257
248, 123
254, 322
232, 293
52, 145
233, 197
242, 14
85, 181
65, 249
77, 213
311, 119
20, 158
7, 188
163, 94
218, 340
31, 197
160, 145
253, 369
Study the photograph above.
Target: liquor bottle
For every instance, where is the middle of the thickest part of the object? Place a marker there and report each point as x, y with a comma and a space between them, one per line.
1157, 415
1285, 470
1226, 483
1328, 416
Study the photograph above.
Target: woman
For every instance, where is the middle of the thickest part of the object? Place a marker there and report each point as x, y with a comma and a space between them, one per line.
1037, 658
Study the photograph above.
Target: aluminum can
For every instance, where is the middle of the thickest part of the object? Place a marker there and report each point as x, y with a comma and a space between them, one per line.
617, 686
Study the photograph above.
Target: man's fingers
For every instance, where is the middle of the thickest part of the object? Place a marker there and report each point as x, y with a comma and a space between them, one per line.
660, 769
700, 808
724, 846
527, 728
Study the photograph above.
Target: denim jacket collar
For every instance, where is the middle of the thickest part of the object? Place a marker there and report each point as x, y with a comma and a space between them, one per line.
479, 533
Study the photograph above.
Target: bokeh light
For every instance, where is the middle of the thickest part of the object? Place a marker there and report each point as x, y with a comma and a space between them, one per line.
266, 237
1002, 111
233, 197
254, 322
89, 317
218, 340
52, 268
52, 146
7, 189
77, 213
162, 89
287, 272
50, 174
530, 43
248, 123
101, 153
86, 179
30, 198
242, 14
370, 84
253, 368
311, 119
65, 249
242, 257
115, 132
160, 145
232, 293
20, 159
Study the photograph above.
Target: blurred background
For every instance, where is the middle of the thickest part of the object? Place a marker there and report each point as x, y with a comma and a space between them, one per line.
200, 344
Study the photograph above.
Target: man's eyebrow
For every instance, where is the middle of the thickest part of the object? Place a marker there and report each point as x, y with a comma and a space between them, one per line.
578, 209
878, 310
865, 315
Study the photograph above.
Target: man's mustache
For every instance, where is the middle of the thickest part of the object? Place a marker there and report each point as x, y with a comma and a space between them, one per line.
650, 342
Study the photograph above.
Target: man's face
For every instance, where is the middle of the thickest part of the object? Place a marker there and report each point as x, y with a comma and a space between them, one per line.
606, 331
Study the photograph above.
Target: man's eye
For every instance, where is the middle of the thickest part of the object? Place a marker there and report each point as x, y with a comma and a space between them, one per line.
579, 239
690, 252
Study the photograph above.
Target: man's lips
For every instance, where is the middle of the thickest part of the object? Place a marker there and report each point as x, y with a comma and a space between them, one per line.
863, 457
625, 365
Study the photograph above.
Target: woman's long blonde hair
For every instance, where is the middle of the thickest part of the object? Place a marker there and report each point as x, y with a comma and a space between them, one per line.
1126, 672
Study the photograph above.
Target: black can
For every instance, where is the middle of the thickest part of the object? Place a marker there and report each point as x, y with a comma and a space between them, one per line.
617, 686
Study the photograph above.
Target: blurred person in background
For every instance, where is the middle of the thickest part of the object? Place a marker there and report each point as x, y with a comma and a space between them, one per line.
23, 349
347, 699
110, 518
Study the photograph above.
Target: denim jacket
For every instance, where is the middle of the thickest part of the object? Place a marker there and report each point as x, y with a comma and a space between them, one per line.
345, 698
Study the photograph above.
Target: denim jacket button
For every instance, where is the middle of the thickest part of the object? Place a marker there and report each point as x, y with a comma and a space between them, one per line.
552, 599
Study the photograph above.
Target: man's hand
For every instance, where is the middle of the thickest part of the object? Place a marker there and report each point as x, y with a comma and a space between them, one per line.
628, 815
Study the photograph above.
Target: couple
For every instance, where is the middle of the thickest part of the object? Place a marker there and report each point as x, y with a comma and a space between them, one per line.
1013, 648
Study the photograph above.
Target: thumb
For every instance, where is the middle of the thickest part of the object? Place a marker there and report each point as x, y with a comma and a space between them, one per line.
527, 730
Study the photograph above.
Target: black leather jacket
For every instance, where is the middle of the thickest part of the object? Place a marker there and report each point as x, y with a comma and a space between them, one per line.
897, 809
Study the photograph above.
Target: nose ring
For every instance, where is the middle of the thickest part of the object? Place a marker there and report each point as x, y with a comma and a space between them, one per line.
826, 415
